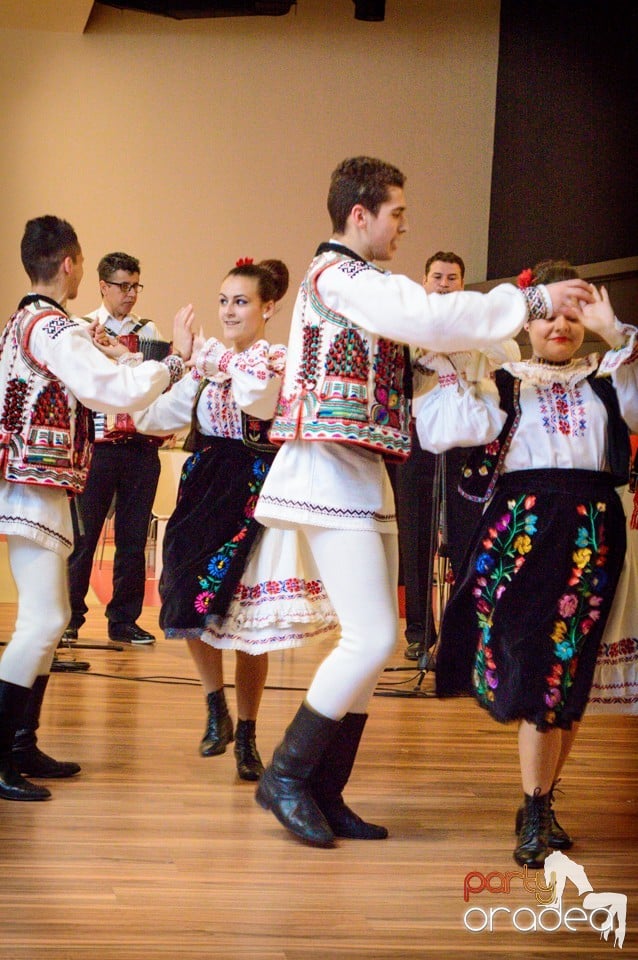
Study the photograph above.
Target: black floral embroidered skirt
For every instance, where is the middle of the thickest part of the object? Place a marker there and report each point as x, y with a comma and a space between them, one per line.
210, 534
522, 628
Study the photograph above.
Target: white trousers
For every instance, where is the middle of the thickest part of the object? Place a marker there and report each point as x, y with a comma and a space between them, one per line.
359, 569
43, 611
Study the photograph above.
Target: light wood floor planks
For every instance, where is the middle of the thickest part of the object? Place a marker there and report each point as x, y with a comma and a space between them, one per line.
154, 852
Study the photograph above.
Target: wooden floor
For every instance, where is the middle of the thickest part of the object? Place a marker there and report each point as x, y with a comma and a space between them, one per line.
154, 852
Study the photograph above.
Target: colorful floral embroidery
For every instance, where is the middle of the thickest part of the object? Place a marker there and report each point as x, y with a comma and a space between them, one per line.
578, 608
219, 563
389, 364
504, 553
292, 587
221, 410
562, 409
506, 547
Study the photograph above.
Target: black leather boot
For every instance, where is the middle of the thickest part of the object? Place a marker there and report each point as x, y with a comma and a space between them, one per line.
331, 776
249, 765
533, 838
559, 839
219, 729
13, 786
285, 786
27, 757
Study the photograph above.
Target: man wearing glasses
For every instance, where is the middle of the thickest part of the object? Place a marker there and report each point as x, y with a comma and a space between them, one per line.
124, 471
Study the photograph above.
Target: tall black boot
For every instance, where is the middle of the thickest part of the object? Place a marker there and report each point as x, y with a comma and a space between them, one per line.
533, 838
285, 786
331, 776
219, 728
27, 757
559, 839
249, 765
13, 786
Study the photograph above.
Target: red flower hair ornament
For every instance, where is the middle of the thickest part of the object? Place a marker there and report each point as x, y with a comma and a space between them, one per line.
525, 279
244, 262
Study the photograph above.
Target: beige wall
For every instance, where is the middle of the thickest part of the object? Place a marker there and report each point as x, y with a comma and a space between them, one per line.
192, 143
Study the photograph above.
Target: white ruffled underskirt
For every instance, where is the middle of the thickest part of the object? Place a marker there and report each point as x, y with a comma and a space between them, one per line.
280, 602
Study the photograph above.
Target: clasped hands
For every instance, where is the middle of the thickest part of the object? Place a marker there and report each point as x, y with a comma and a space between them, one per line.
184, 343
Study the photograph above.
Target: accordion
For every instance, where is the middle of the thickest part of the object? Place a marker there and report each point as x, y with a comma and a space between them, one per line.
150, 349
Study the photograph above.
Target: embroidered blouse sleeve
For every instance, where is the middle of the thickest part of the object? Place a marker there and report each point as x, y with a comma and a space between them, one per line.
255, 373
622, 364
396, 307
170, 412
457, 413
65, 347
423, 379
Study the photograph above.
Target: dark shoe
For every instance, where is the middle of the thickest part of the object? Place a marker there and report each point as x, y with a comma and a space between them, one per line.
26, 756
129, 633
285, 786
414, 651
249, 765
14, 787
559, 839
70, 635
219, 729
533, 838
331, 777
13, 702
35, 763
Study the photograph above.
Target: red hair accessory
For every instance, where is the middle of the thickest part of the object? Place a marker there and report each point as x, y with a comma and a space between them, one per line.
244, 262
525, 279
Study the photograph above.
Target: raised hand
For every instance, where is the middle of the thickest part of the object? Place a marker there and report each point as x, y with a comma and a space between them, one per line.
183, 331
599, 317
198, 343
569, 296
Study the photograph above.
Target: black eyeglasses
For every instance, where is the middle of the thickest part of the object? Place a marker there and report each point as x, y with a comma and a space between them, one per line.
125, 286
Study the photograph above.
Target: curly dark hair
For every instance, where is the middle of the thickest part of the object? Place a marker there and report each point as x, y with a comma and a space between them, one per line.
112, 262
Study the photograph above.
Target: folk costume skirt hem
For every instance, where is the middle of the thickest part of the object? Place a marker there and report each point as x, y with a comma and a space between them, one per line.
522, 628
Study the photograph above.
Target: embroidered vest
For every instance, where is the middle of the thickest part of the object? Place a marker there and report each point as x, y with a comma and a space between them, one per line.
45, 434
484, 465
341, 383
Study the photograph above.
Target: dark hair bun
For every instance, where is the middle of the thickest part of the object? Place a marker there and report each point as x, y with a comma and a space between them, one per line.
279, 274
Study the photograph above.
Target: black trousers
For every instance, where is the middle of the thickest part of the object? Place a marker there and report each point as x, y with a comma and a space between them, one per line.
418, 526
129, 472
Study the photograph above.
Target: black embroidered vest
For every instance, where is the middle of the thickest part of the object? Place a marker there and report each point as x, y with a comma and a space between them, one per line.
483, 465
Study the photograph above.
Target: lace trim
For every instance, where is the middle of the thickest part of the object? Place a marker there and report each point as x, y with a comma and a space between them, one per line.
543, 374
